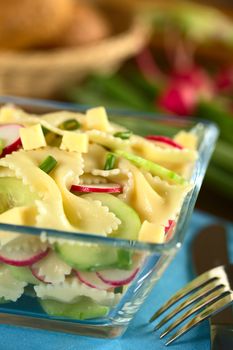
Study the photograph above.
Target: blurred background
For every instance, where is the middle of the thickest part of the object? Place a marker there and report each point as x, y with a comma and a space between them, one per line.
168, 57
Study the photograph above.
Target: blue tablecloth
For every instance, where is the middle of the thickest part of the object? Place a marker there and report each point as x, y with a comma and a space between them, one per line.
139, 334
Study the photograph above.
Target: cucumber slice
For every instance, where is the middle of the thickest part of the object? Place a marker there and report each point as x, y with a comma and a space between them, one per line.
92, 257
130, 221
24, 274
3, 301
96, 257
14, 193
84, 309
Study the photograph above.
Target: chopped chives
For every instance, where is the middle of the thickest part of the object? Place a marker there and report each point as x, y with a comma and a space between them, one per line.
70, 124
48, 164
118, 289
45, 130
124, 135
1, 144
110, 161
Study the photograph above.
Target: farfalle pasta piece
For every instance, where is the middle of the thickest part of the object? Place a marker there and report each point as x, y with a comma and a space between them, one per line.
162, 156
70, 290
128, 181
24, 215
6, 172
11, 289
120, 175
86, 216
9, 114
145, 202
159, 201
107, 140
49, 205
95, 158
89, 179
173, 196
58, 207
52, 269
56, 119
106, 173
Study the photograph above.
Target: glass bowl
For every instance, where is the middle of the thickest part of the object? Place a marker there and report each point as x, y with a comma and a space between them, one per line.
156, 257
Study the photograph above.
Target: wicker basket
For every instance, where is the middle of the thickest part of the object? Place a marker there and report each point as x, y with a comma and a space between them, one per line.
44, 73
213, 52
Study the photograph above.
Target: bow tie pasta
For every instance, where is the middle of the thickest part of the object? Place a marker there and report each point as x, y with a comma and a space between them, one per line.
81, 173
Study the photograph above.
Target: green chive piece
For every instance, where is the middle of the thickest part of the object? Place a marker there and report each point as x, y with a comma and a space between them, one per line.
110, 162
1, 144
118, 289
70, 124
48, 164
124, 135
45, 130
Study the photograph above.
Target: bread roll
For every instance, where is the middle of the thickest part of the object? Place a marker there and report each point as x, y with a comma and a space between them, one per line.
31, 23
88, 25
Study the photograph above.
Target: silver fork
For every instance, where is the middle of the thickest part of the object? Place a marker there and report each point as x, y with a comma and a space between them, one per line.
207, 294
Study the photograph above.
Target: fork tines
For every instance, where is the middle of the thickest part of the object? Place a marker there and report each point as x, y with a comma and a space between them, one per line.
207, 294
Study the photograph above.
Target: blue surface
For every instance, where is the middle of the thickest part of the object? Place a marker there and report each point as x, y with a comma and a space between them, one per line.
139, 334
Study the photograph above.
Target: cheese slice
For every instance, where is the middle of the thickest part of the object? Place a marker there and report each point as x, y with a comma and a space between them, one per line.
186, 139
96, 118
74, 142
151, 232
32, 137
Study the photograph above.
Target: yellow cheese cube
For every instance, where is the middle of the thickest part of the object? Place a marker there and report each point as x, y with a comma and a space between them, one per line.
32, 137
151, 232
186, 139
96, 118
72, 141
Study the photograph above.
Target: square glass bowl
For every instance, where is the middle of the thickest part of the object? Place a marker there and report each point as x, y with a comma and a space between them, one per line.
155, 258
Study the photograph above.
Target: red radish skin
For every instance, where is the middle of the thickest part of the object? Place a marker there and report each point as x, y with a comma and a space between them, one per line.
196, 77
179, 98
10, 133
100, 188
169, 229
26, 262
170, 224
92, 280
164, 139
35, 273
117, 278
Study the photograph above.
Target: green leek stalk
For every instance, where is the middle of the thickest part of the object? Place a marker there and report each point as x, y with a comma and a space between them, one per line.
217, 113
223, 156
220, 180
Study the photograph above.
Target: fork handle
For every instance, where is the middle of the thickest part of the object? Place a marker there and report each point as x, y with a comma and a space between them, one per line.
221, 337
213, 239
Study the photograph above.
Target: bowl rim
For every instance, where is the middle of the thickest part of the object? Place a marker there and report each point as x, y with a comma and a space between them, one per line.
205, 151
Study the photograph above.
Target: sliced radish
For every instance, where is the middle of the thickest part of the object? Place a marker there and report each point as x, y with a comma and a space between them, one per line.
164, 139
91, 280
169, 225
169, 229
23, 251
9, 133
35, 272
51, 269
104, 188
117, 277
179, 98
